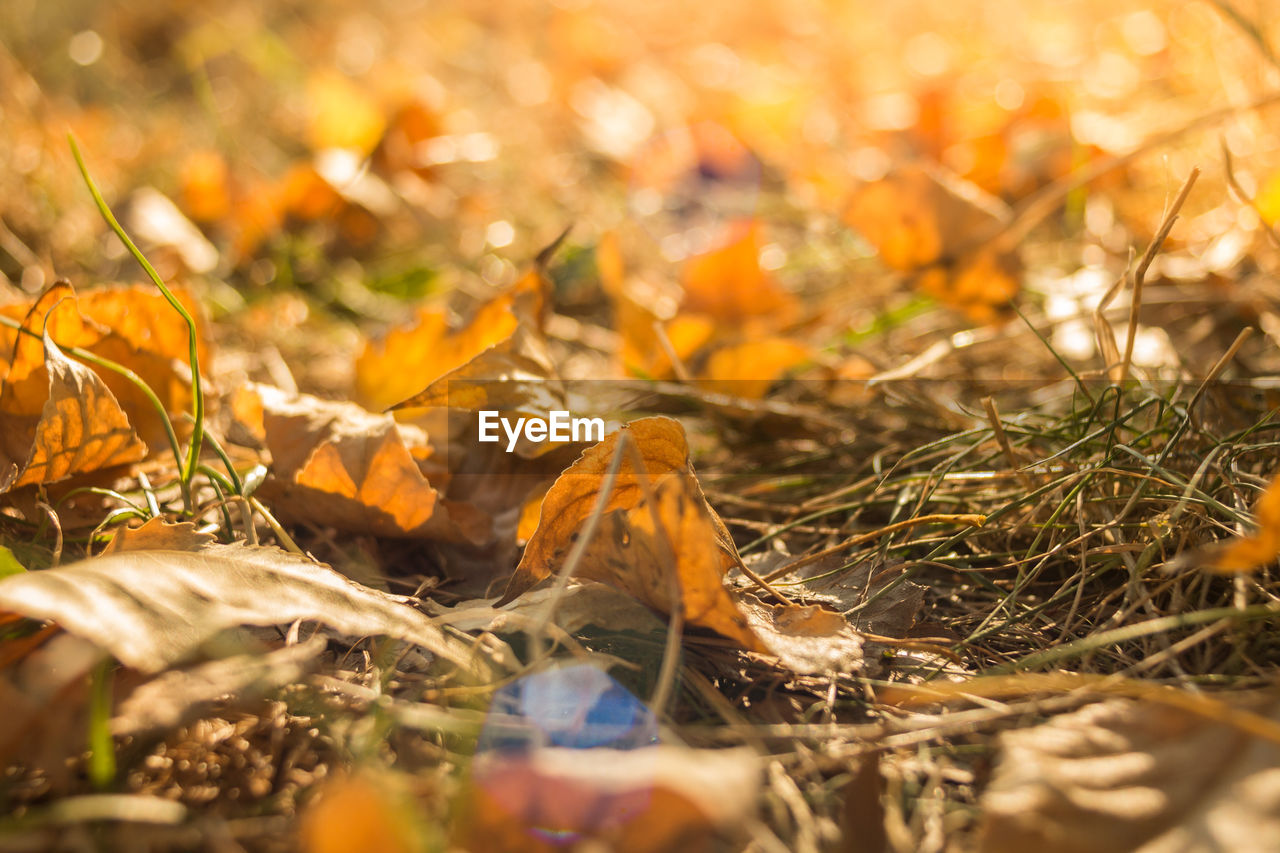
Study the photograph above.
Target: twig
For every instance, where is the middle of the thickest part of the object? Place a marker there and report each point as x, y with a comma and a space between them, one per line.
1140, 276
1002, 438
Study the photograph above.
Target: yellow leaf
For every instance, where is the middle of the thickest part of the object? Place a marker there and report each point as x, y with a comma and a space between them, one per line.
341, 115
411, 357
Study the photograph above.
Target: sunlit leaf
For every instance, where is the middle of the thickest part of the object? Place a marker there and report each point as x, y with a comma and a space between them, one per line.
671, 554
411, 357
338, 465
151, 609
729, 284
80, 427
1249, 552
1131, 776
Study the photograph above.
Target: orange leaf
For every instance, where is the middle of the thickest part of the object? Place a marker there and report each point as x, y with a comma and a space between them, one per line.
1248, 553
338, 465
130, 325
926, 221
79, 428
411, 357
678, 561
748, 369
729, 284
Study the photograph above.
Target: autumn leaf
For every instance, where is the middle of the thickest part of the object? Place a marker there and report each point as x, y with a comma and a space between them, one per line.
931, 224
338, 465
133, 326
729, 284
669, 556
662, 447
1247, 553
1123, 775
806, 639
405, 364
151, 609
673, 554
79, 427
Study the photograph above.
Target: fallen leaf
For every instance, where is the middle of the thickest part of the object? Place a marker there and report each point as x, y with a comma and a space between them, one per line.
679, 561
173, 698
1123, 775
645, 800
675, 560
748, 369
133, 326
927, 222
79, 427
1249, 552
412, 357
157, 534
336, 464
729, 284
361, 813
151, 609
806, 639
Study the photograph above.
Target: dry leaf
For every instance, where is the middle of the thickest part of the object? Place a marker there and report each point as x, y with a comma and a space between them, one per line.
1130, 776
729, 284
157, 534
677, 560
807, 639
414, 356
681, 559
172, 698
662, 448
648, 800
748, 369
362, 813
927, 222
151, 609
338, 465
79, 427
131, 325
1248, 553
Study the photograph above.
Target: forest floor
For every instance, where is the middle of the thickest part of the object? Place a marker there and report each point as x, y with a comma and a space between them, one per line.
936, 354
